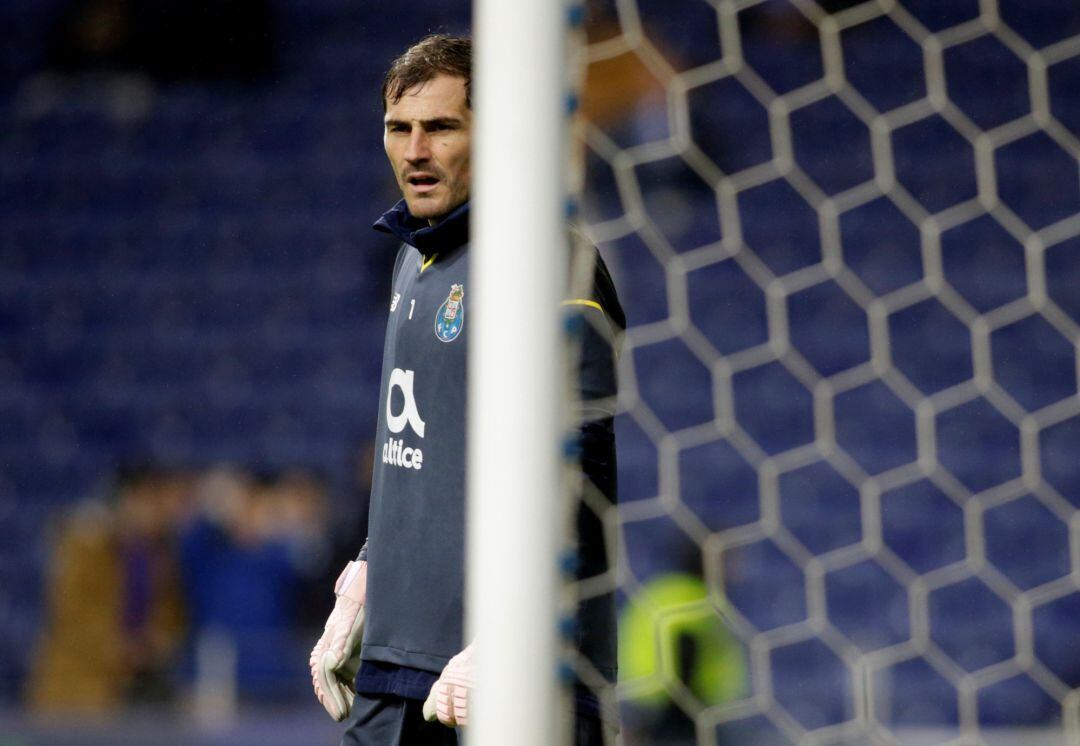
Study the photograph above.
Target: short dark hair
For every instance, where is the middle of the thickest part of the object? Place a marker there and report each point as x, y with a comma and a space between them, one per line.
434, 55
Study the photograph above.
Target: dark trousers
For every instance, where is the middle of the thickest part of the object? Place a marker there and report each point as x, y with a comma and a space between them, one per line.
388, 720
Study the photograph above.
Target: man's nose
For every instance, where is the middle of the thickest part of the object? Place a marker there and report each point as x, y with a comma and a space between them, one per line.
418, 149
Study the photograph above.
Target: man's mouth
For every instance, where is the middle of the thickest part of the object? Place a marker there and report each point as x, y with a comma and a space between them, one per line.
422, 182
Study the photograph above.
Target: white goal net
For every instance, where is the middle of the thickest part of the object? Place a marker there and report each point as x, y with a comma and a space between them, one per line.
847, 238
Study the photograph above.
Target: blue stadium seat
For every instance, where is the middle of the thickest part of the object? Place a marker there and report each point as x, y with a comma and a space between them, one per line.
773, 407
1027, 542
881, 246
883, 63
1041, 22
781, 45
718, 485
727, 307
688, 404
875, 428
828, 328
914, 693
971, 625
780, 227
868, 605
922, 526
815, 130
1058, 446
812, 491
764, 585
729, 125
680, 203
983, 65
813, 684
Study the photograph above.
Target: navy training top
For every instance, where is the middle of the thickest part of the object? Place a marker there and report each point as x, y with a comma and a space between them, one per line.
415, 547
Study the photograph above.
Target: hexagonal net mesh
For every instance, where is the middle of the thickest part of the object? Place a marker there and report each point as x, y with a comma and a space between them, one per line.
847, 238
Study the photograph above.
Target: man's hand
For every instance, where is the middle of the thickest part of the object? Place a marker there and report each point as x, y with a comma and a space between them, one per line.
335, 658
449, 697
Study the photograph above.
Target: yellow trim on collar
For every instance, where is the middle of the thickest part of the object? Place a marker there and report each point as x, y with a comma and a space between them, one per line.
427, 263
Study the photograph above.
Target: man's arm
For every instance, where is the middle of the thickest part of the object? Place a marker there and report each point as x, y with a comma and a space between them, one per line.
603, 323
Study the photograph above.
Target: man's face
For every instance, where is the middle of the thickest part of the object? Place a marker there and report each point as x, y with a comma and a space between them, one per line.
427, 139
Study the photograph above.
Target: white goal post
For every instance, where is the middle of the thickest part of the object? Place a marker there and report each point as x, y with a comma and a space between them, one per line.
516, 374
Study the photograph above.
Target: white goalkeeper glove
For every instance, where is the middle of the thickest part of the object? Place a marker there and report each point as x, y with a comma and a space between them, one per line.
335, 658
449, 697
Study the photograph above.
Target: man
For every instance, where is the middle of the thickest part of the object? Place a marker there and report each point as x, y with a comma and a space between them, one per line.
404, 593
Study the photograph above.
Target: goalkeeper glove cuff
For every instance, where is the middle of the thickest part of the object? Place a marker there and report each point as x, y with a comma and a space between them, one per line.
335, 658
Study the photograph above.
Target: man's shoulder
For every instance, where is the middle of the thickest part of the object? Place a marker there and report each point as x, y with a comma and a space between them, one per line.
591, 285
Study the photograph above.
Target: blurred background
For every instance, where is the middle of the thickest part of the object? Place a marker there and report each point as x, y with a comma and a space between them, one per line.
849, 432
192, 305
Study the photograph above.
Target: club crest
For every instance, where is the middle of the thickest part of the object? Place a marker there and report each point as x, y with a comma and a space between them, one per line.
450, 317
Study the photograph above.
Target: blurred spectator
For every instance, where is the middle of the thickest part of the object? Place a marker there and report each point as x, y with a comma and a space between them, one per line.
339, 547
115, 616
244, 556
296, 515
620, 92
166, 39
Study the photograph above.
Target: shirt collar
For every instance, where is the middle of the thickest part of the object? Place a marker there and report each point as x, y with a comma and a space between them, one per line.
449, 233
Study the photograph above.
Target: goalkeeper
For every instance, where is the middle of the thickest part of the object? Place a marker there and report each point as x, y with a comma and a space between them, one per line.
392, 661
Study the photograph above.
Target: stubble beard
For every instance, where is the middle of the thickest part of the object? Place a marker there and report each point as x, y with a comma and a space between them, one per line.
424, 209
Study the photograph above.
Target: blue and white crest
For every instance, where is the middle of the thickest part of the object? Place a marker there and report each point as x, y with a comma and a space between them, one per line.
450, 317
